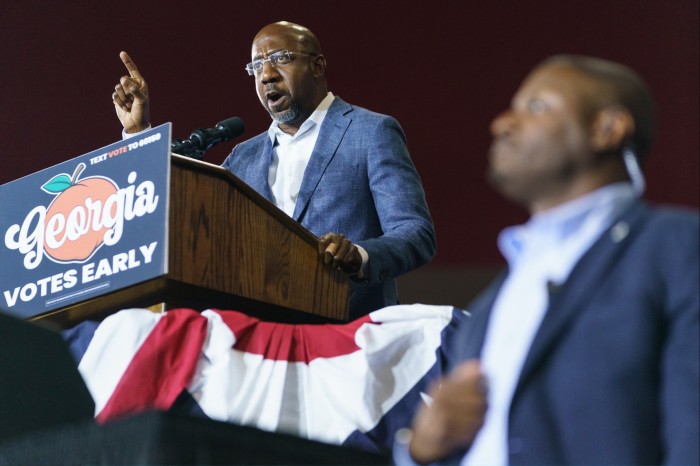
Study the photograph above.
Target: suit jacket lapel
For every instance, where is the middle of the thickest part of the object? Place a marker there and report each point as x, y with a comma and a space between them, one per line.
331, 133
259, 175
566, 300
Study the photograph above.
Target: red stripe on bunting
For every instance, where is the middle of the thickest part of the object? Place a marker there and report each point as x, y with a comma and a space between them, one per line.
161, 368
292, 342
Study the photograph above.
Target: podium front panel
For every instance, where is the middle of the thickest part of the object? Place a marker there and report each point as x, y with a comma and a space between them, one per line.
86, 227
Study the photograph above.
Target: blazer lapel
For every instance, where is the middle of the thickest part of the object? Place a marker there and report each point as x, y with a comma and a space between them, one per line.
330, 135
260, 173
566, 301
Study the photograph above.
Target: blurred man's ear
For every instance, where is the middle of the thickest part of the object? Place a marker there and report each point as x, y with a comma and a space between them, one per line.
612, 126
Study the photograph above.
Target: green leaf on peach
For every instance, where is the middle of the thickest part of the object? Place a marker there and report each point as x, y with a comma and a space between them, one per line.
57, 184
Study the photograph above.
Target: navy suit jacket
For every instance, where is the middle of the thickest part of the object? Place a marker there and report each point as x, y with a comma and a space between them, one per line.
361, 182
612, 374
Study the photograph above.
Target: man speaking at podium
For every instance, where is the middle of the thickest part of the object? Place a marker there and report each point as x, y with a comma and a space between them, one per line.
341, 171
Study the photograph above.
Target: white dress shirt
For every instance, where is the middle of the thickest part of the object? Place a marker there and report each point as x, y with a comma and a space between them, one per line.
291, 154
290, 157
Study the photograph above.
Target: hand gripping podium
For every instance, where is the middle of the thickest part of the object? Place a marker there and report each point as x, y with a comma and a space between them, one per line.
131, 225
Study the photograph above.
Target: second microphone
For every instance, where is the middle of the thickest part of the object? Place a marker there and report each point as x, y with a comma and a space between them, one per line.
202, 139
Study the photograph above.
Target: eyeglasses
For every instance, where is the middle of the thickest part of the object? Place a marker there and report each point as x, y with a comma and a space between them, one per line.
281, 58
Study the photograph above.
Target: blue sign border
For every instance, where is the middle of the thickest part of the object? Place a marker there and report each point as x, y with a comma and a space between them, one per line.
87, 226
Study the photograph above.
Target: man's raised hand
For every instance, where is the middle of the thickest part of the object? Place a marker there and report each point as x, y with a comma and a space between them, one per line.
130, 98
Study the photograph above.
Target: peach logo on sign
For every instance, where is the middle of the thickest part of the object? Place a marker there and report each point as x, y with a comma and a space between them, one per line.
83, 215
72, 234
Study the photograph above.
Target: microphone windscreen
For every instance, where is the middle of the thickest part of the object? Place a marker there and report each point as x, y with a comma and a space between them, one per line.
231, 128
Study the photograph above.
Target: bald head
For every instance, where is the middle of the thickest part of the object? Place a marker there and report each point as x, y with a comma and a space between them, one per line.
306, 39
615, 85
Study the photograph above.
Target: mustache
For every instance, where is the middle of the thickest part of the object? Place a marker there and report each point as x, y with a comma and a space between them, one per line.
272, 89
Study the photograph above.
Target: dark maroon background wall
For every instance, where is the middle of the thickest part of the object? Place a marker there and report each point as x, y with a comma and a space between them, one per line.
444, 69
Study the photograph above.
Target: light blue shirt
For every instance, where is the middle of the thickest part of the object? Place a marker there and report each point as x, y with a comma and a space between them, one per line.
541, 252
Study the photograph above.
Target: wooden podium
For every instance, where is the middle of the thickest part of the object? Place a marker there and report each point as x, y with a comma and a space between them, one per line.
228, 248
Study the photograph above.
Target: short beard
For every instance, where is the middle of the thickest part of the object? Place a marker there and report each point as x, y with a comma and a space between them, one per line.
288, 116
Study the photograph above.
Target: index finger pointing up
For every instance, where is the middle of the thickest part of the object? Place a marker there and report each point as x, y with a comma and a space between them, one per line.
130, 65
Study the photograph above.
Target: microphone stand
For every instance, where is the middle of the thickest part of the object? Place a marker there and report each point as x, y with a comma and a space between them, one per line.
186, 148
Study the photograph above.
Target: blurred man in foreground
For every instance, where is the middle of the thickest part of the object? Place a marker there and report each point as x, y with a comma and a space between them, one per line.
586, 351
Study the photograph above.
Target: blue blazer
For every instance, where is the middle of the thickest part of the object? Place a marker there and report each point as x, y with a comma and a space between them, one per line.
612, 374
361, 182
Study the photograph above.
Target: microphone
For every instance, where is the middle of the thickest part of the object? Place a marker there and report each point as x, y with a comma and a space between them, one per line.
202, 139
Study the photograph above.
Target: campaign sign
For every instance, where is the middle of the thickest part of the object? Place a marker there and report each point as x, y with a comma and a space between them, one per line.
85, 227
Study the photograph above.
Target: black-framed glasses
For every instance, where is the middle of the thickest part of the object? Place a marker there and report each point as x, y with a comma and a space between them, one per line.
281, 58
